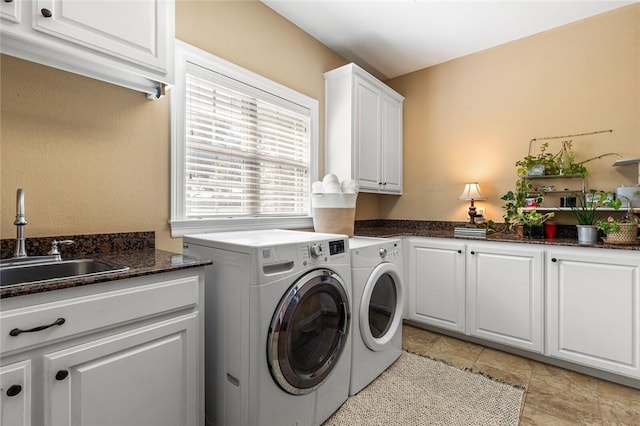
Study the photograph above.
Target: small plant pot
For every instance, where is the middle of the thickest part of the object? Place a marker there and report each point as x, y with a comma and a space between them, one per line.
587, 234
550, 229
627, 234
533, 232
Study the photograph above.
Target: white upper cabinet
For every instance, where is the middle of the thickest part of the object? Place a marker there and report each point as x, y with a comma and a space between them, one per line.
363, 130
124, 42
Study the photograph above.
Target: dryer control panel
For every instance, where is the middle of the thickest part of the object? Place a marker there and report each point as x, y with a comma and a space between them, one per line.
389, 252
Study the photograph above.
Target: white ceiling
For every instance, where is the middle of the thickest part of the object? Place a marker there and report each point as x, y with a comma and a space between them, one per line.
395, 37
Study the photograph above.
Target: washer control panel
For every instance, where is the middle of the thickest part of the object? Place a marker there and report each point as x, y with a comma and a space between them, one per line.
336, 247
321, 251
315, 250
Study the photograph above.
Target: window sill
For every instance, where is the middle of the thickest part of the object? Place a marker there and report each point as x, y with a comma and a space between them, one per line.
180, 228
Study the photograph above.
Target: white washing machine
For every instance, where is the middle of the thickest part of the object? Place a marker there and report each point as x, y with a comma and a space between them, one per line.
277, 322
377, 301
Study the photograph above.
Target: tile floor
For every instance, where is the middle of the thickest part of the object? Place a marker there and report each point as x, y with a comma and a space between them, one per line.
554, 396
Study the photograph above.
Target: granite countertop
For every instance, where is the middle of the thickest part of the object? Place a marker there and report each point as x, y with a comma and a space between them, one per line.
415, 228
135, 250
140, 263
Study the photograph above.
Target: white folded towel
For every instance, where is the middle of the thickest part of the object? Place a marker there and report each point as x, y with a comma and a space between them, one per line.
332, 185
349, 186
317, 187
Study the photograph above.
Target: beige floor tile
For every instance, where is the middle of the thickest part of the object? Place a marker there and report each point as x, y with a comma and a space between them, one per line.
555, 396
566, 381
533, 417
420, 334
514, 377
619, 405
416, 340
457, 352
558, 399
506, 362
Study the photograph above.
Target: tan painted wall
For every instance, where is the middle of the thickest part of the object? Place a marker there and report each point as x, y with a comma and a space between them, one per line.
95, 158
472, 118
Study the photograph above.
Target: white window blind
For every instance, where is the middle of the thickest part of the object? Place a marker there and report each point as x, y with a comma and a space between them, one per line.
247, 152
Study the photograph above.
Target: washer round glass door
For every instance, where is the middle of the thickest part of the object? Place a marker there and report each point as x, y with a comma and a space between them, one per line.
381, 306
308, 332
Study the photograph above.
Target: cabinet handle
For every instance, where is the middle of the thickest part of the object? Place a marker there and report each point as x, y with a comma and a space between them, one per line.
459, 251
46, 13
473, 252
554, 260
17, 331
62, 374
14, 390
8, 1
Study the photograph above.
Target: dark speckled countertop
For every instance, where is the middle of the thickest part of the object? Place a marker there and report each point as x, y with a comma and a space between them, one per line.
135, 250
566, 235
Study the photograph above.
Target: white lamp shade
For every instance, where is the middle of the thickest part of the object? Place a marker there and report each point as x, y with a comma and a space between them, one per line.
471, 192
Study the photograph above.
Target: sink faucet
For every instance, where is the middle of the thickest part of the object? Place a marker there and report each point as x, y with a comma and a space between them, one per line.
20, 223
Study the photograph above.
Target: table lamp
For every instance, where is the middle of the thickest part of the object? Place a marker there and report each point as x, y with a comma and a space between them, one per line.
472, 192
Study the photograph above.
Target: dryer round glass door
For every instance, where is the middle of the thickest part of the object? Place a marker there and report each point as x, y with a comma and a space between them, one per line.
380, 313
308, 332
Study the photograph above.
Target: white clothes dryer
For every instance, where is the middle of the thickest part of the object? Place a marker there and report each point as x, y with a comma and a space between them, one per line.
377, 301
277, 321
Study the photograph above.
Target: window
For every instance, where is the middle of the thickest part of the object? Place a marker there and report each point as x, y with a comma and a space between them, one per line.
243, 148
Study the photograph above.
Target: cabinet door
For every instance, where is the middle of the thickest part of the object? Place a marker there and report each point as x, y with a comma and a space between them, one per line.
135, 31
11, 11
391, 155
504, 294
593, 304
149, 374
367, 134
15, 401
437, 283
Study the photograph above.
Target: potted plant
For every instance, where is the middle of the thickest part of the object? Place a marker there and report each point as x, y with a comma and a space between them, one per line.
536, 165
585, 212
532, 222
619, 231
516, 200
545, 163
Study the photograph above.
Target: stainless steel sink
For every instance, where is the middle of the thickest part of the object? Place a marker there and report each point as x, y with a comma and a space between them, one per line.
32, 270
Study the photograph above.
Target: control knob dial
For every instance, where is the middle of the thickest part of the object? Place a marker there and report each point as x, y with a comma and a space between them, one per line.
315, 250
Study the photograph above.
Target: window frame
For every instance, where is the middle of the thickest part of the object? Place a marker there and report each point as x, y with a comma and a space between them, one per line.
180, 225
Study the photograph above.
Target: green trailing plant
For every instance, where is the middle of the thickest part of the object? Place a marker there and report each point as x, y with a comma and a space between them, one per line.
532, 221
532, 217
560, 163
546, 159
515, 200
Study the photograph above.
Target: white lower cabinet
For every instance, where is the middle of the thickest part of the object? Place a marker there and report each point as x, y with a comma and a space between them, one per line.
593, 308
575, 304
436, 273
128, 352
144, 372
505, 294
15, 401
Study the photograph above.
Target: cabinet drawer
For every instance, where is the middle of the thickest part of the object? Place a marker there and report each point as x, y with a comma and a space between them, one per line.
95, 311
